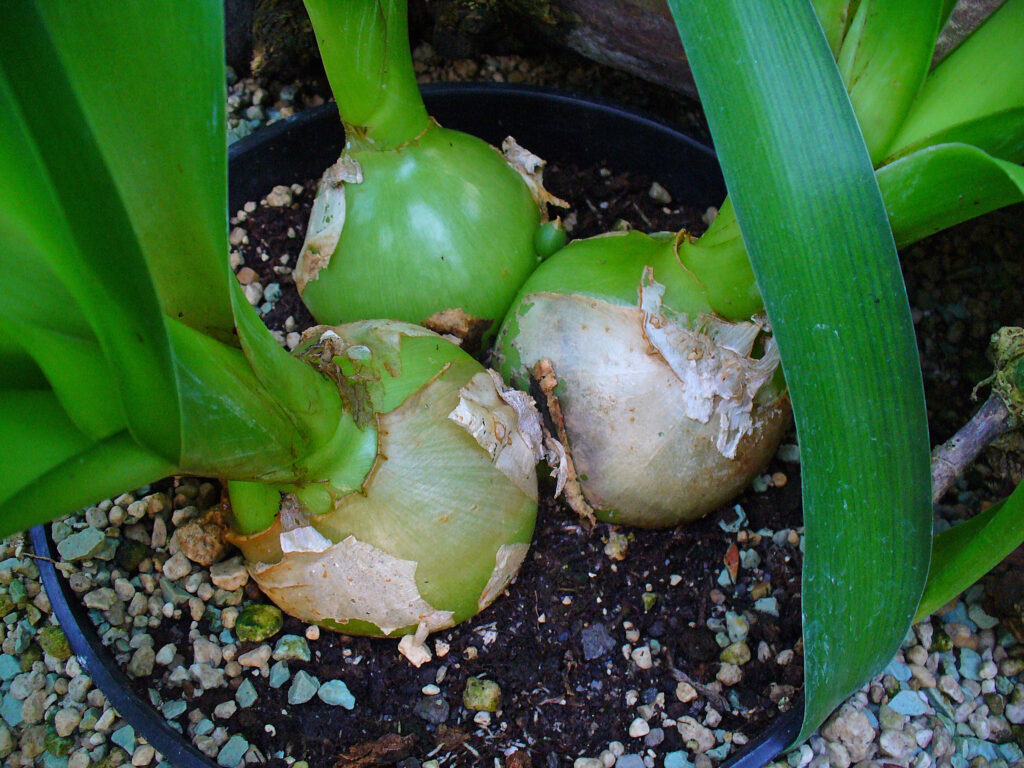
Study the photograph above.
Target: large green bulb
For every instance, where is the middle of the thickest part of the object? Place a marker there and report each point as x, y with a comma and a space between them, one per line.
670, 401
438, 231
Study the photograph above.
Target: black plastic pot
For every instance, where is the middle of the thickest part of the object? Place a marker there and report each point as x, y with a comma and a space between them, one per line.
556, 125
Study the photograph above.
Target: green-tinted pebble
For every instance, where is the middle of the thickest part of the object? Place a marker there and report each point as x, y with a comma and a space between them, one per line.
291, 647
29, 656
258, 622
58, 746
481, 695
130, 553
54, 642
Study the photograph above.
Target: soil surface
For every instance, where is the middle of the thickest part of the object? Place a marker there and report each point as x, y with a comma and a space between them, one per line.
561, 644
605, 625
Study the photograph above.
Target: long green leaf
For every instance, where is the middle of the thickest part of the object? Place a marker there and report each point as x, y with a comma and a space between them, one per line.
1000, 134
984, 75
966, 552
937, 187
78, 373
237, 428
884, 59
812, 217
61, 169
98, 471
38, 436
153, 96
834, 16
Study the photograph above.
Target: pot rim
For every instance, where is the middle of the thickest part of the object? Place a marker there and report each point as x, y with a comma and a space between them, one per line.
603, 115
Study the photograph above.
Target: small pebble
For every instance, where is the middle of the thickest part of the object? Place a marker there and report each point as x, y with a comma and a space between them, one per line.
303, 688
246, 694
230, 755
638, 728
481, 694
291, 647
279, 674
336, 693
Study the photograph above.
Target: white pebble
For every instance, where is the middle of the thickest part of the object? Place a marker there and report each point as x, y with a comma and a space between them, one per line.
638, 728
253, 292
143, 755
685, 692
228, 617
257, 657
177, 566
642, 657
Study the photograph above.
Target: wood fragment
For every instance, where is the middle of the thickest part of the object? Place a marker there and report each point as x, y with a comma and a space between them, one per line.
544, 374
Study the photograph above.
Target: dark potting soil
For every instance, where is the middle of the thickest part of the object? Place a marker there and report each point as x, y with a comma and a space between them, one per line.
560, 643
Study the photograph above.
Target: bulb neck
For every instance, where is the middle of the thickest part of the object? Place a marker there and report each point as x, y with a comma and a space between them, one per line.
365, 51
718, 260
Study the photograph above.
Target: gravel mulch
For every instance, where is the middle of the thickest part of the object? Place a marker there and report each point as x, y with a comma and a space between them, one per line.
952, 696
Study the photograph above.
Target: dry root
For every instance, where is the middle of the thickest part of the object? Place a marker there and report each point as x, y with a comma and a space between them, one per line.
544, 373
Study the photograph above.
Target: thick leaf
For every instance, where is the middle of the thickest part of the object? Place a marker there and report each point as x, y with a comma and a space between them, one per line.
100, 470
235, 427
150, 81
309, 399
1000, 134
77, 371
38, 436
937, 187
834, 16
61, 170
812, 217
983, 76
884, 58
966, 552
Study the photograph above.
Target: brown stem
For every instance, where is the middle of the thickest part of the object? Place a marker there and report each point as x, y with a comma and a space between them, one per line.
949, 460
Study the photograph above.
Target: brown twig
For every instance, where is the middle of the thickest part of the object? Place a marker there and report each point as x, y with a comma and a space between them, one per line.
717, 700
949, 460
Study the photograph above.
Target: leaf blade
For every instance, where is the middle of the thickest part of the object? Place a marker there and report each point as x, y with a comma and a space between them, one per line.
939, 186
969, 550
102, 266
984, 75
867, 530
884, 59
162, 134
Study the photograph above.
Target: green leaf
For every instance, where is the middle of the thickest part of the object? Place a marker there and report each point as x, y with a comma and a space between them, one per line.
966, 552
77, 371
310, 400
1000, 134
234, 427
983, 76
884, 59
158, 121
100, 470
816, 230
939, 186
39, 436
834, 16
59, 168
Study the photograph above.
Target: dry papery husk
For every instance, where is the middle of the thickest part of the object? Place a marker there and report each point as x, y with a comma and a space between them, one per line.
665, 419
439, 529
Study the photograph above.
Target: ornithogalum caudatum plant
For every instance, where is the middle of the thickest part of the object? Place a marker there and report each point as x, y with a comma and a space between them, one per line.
380, 453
